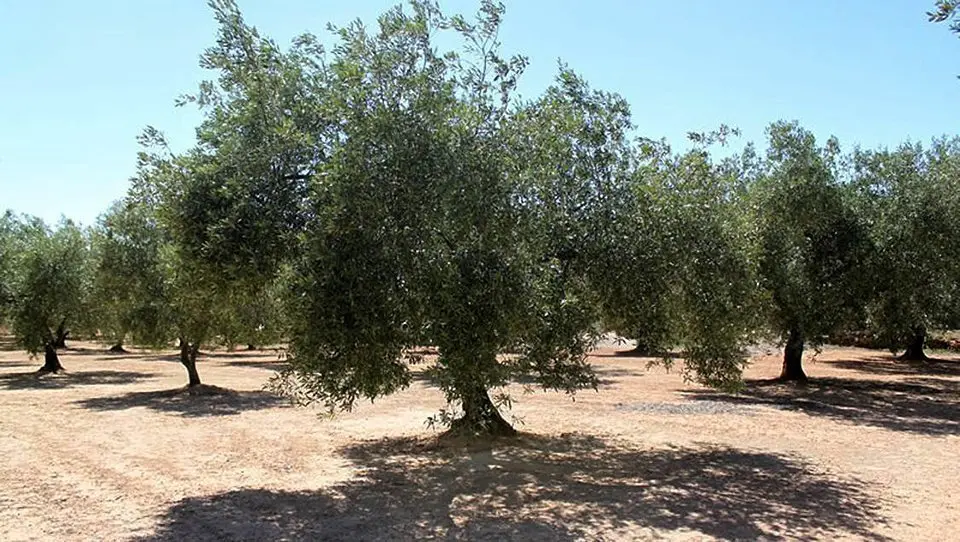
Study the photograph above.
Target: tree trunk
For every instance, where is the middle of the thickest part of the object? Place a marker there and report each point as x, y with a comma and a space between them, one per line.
251, 347
51, 361
480, 416
793, 358
117, 348
188, 357
60, 338
914, 351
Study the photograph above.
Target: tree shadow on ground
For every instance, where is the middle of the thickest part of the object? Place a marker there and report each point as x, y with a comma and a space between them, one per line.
633, 354
266, 365
84, 351
606, 377
145, 356
189, 402
68, 379
568, 488
892, 366
925, 406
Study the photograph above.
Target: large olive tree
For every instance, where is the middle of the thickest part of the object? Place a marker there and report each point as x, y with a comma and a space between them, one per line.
814, 247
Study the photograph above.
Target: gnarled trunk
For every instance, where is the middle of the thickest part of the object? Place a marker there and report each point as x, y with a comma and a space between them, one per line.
914, 351
51, 361
480, 416
792, 370
188, 357
60, 337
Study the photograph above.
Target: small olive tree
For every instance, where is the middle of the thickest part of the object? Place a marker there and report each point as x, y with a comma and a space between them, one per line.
48, 284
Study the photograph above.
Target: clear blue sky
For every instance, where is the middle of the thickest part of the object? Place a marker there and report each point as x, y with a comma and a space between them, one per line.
80, 79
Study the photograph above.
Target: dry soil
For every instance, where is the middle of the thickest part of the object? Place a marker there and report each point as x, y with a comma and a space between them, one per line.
867, 450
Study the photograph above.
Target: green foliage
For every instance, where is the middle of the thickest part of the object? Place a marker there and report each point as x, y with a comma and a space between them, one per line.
814, 246
130, 288
8, 228
50, 278
911, 197
431, 225
945, 11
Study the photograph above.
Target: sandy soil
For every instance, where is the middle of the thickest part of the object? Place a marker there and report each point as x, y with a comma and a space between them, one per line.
868, 450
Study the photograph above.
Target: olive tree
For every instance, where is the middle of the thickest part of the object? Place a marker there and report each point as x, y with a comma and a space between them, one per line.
48, 285
432, 223
813, 245
8, 228
157, 293
911, 198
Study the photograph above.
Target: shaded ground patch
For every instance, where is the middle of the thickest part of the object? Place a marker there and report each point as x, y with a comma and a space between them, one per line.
927, 406
893, 366
189, 402
568, 488
254, 364
68, 379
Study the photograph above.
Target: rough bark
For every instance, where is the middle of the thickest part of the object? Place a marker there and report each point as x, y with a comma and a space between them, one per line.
792, 370
60, 337
188, 357
480, 416
914, 351
51, 361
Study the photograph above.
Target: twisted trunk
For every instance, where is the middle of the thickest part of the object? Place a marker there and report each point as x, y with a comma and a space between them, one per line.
914, 351
188, 357
480, 416
51, 361
792, 370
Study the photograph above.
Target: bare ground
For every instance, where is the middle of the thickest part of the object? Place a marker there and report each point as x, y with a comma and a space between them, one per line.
112, 451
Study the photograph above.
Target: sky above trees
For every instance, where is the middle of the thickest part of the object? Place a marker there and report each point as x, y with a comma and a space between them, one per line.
81, 80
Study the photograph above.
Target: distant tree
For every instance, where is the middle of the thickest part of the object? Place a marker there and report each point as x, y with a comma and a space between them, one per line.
256, 317
49, 284
150, 290
699, 203
681, 267
911, 198
813, 245
8, 227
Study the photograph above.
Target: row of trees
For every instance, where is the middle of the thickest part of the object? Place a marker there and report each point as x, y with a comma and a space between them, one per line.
386, 195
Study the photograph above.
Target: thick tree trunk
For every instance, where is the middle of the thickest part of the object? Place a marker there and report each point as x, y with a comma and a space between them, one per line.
60, 338
188, 357
914, 351
51, 361
480, 416
117, 348
793, 358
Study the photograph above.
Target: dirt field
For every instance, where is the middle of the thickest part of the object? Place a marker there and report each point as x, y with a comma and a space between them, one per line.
868, 450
